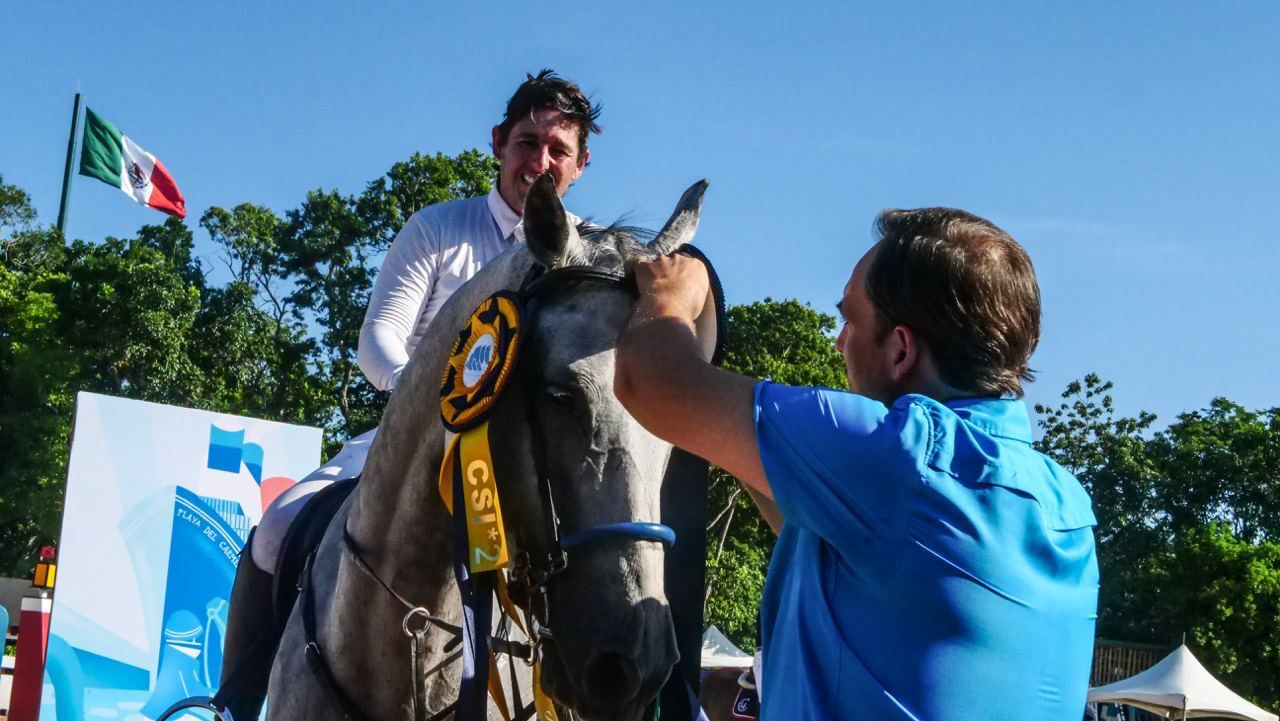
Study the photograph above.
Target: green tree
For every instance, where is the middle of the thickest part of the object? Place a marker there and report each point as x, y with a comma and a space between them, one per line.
15, 207
259, 354
410, 186
786, 342
21, 243
111, 318
1223, 592
1221, 464
1186, 527
34, 396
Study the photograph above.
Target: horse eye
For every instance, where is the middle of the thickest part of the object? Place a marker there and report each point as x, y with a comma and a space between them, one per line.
560, 396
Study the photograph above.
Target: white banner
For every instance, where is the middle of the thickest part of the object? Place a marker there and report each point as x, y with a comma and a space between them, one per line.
159, 504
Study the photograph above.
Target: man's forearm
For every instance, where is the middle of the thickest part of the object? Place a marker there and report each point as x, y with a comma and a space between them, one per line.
666, 385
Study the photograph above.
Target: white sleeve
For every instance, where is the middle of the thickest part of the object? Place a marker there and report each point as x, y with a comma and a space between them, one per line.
400, 292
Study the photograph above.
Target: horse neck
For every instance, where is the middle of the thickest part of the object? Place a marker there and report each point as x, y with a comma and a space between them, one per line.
398, 514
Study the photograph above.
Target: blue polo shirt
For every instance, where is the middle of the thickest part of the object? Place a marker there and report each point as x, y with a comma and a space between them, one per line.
931, 565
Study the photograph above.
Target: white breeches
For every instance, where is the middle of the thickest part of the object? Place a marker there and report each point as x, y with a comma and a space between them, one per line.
269, 537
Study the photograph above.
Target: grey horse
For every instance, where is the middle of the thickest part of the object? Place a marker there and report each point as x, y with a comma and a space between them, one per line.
613, 642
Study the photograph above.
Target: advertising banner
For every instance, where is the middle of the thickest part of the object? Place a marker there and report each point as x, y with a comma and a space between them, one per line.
159, 504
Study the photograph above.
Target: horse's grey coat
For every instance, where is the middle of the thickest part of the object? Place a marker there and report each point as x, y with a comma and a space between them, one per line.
614, 640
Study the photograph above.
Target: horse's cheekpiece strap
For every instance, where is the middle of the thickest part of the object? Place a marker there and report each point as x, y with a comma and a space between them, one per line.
481, 363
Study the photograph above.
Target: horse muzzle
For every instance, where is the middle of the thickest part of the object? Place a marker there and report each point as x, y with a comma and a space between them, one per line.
618, 675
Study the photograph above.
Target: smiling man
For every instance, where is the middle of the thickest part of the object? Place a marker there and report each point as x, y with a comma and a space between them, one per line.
931, 564
545, 129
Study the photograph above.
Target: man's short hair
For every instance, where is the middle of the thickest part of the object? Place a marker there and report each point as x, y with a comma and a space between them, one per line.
966, 288
548, 90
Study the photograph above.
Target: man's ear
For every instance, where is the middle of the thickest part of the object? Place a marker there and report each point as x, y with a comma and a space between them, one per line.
903, 350
496, 142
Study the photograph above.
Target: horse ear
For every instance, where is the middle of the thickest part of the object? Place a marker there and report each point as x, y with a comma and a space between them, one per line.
551, 237
683, 223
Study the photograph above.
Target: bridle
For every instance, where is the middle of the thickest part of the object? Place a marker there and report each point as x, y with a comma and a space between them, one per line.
531, 577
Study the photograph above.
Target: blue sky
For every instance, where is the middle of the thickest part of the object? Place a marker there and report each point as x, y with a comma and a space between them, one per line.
1132, 147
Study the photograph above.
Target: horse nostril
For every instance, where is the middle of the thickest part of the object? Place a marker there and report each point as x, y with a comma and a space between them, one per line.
611, 676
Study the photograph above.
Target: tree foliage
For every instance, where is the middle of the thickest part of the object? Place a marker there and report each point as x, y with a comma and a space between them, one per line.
1188, 541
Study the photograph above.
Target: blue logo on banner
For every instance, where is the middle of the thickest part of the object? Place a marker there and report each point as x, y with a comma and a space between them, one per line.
205, 547
227, 450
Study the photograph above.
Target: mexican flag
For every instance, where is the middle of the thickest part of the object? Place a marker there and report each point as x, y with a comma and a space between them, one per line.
113, 157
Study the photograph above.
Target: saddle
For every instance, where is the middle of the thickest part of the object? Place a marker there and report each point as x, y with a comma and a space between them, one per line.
301, 540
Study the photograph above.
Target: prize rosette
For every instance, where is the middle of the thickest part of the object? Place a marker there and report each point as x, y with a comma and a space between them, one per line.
481, 363
478, 370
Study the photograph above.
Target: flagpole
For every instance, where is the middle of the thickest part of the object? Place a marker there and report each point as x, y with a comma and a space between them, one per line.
66, 173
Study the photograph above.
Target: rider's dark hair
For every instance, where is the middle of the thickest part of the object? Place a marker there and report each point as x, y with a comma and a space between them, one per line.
548, 90
966, 288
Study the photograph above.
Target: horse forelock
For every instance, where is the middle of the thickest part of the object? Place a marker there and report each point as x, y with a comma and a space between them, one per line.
616, 246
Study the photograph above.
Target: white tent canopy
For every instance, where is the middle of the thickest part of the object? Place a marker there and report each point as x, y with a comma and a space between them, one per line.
719, 652
1179, 687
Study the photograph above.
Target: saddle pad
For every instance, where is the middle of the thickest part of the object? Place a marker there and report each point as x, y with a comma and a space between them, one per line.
302, 538
746, 705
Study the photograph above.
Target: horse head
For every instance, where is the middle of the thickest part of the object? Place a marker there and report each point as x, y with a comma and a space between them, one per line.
573, 463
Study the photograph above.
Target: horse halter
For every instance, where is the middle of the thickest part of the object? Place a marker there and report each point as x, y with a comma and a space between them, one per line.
526, 575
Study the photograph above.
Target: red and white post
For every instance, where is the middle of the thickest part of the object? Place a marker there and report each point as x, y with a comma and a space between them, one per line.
28, 671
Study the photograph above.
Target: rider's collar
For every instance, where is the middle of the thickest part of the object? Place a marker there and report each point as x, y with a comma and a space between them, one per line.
506, 218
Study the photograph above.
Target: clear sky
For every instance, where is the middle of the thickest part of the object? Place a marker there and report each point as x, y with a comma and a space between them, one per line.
1131, 146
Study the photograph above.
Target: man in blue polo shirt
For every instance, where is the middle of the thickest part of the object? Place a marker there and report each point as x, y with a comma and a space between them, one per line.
931, 564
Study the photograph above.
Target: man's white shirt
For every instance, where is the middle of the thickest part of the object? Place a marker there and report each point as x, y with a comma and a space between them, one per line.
440, 248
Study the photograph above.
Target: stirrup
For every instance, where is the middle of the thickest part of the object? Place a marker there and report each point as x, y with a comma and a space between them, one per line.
200, 702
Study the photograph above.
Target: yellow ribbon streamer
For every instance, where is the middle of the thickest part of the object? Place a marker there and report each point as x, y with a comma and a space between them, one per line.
544, 708
495, 688
486, 536
487, 552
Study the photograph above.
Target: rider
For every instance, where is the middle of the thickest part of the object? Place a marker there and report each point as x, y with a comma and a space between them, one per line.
931, 563
544, 130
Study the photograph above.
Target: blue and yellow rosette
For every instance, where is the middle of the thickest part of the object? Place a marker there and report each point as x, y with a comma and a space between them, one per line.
479, 368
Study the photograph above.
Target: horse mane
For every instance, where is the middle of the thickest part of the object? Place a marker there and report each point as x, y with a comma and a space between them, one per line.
616, 246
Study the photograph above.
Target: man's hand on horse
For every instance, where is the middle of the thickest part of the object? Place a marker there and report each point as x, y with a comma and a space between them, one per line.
673, 286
